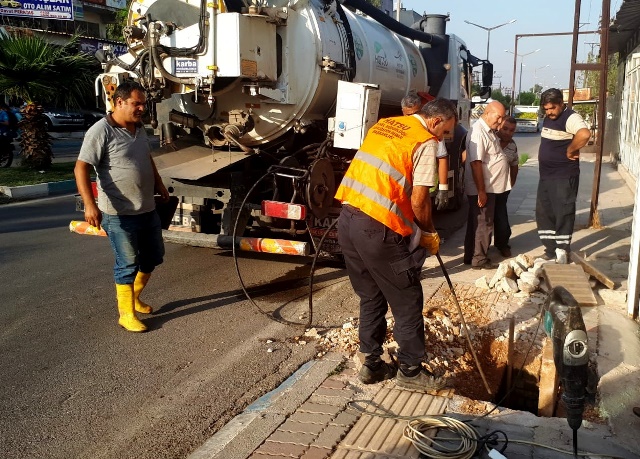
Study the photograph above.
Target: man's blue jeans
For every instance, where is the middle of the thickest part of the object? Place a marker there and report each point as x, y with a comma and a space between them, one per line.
137, 244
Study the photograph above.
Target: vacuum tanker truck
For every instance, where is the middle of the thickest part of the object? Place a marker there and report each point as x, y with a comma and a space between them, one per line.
260, 105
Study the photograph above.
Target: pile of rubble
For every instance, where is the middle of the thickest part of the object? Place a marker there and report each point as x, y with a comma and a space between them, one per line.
520, 274
446, 346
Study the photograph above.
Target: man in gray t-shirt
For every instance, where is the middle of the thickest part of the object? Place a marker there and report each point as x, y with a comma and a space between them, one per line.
118, 149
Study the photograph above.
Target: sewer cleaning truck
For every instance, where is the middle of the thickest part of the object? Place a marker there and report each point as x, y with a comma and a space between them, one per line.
261, 105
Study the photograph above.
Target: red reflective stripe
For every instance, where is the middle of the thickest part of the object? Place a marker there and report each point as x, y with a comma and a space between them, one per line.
284, 210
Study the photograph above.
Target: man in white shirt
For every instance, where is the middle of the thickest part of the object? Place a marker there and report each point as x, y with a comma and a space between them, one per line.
486, 173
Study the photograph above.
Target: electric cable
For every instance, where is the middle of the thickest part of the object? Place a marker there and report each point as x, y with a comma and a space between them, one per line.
466, 435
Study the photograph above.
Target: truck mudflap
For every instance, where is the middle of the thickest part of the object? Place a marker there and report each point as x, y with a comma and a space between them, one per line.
194, 162
319, 226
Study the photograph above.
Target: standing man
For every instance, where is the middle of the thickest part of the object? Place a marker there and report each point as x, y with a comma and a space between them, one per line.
486, 174
564, 133
502, 228
412, 103
384, 195
118, 149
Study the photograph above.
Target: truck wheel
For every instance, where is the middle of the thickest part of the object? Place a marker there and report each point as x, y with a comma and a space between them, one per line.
457, 166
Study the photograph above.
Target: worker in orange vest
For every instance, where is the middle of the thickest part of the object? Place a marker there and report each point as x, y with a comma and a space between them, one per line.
385, 200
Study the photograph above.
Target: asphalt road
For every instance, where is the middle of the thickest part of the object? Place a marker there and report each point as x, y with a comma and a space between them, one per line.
74, 384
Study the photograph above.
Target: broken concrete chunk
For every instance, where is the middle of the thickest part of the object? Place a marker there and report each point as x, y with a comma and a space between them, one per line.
527, 287
536, 270
482, 283
504, 270
517, 268
525, 260
509, 285
530, 278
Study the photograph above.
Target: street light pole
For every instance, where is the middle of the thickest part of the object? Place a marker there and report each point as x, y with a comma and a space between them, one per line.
520, 84
489, 29
521, 56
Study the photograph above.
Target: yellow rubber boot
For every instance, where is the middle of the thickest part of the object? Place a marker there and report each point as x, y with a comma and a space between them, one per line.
128, 319
138, 287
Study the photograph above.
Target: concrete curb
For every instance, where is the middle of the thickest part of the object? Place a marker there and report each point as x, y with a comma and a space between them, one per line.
40, 190
244, 433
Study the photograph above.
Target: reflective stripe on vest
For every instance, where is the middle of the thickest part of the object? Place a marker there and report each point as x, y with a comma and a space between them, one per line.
379, 179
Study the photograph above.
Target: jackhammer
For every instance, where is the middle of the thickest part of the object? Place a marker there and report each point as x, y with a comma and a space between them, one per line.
563, 323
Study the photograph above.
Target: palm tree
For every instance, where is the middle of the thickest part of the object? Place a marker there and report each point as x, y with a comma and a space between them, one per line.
37, 72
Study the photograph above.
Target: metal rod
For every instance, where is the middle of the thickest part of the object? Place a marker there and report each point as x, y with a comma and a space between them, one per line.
464, 323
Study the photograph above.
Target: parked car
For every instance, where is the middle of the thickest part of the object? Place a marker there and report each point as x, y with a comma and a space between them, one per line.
10, 3
91, 117
58, 118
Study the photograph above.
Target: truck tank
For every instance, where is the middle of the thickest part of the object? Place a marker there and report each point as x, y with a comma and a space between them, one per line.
280, 63
237, 88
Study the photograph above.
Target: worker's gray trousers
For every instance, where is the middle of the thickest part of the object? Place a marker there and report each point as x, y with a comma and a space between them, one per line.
479, 230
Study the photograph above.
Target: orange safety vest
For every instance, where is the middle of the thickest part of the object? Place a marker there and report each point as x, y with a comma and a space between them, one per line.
380, 178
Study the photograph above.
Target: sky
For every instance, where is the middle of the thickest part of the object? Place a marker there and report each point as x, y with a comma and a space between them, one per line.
541, 16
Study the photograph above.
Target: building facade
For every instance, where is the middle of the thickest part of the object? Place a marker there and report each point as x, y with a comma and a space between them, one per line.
60, 19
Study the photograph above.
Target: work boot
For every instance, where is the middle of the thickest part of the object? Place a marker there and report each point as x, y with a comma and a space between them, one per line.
416, 377
138, 286
374, 370
128, 319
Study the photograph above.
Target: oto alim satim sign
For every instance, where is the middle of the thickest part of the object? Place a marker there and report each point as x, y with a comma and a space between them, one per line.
46, 9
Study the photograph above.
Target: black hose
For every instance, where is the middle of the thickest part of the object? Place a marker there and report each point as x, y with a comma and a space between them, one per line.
235, 260
235, 256
393, 25
313, 267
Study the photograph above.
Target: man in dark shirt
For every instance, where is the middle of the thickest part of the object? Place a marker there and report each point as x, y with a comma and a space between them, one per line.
564, 133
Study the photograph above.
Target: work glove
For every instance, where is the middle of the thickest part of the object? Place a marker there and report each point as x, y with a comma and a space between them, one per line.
442, 199
431, 242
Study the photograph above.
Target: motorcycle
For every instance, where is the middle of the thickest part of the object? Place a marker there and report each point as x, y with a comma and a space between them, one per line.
6, 151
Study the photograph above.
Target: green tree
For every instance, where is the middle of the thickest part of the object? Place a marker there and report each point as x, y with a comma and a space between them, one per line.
527, 98
496, 94
376, 3
37, 72
114, 30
